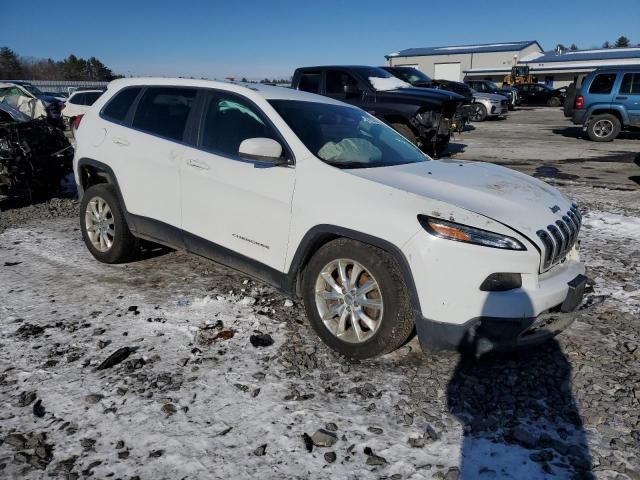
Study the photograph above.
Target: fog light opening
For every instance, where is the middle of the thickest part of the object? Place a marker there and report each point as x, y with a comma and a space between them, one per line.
501, 282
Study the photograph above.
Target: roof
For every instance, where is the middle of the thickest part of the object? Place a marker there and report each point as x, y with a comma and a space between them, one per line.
458, 49
584, 55
250, 90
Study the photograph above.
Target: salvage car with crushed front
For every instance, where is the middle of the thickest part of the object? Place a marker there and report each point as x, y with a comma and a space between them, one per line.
34, 156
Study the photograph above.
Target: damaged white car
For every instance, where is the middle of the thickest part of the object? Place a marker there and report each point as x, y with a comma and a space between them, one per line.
28, 99
329, 204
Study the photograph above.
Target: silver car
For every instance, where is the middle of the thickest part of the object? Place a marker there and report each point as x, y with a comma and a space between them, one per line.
486, 105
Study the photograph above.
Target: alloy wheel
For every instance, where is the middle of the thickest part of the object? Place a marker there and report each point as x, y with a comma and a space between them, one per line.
100, 224
602, 128
349, 300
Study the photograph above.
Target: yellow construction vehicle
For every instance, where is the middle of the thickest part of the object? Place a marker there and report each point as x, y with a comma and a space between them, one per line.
519, 74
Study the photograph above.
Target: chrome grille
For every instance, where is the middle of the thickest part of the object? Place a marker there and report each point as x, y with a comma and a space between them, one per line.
558, 239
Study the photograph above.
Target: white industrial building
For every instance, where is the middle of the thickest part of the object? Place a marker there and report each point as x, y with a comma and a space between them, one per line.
492, 61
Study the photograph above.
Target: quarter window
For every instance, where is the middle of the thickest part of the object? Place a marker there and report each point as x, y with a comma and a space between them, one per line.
228, 121
119, 105
602, 83
630, 83
164, 110
77, 99
91, 97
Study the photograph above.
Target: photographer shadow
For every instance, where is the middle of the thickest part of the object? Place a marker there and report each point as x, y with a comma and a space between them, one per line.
520, 419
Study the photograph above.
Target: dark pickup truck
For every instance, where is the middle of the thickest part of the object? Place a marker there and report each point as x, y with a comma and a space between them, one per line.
424, 116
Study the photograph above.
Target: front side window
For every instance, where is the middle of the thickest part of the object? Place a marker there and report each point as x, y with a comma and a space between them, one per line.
310, 82
119, 105
346, 137
228, 121
164, 110
337, 80
602, 83
630, 83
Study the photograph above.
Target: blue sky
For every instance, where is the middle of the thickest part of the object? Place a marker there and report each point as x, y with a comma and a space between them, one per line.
260, 39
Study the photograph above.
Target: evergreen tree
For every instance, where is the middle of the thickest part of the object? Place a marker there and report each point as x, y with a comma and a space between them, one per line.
573, 47
622, 42
10, 68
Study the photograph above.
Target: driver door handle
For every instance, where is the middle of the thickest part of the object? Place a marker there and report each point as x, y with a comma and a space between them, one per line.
198, 164
120, 141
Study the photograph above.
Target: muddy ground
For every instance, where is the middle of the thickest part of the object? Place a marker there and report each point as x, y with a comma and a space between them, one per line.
199, 391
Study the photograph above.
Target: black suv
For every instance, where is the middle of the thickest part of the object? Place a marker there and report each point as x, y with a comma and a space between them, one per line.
487, 86
424, 116
418, 79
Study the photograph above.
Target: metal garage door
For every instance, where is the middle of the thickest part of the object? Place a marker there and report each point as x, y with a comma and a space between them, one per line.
447, 71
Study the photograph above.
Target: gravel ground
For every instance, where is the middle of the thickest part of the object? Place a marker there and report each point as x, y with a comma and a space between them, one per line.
174, 367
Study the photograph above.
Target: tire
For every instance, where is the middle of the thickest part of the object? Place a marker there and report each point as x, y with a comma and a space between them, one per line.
442, 144
554, 102
479, 113
404, 130
393, 318
603, 128
117, 247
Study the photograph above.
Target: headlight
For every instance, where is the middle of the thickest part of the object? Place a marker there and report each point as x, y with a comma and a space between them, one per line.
463, 233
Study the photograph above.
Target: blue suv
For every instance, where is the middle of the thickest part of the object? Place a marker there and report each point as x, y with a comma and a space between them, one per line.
608, 101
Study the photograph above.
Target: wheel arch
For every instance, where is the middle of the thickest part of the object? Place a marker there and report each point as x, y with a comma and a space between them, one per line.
320, 235
618, 113
92, 172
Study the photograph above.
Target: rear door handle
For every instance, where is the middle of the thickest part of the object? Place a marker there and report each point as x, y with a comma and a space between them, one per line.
120, 141
621, 98
198, 164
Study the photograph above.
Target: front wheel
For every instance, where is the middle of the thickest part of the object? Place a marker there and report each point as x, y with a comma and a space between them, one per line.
356, 299
104, 228
479, 113
603, 128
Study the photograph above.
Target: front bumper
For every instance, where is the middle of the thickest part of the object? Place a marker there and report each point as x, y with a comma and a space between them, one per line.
484, 334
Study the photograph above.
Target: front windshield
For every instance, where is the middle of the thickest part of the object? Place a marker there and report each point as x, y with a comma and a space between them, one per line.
412, 75
346, 137
382, 80
32, 89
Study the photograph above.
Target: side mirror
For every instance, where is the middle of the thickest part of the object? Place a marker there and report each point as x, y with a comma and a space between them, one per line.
262, 150
352, 91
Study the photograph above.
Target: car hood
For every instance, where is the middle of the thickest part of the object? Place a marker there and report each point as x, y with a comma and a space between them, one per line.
514, 199
489, 96
426, 93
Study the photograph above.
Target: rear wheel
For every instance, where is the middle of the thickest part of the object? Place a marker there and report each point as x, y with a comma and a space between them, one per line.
104, 229
356, 299
479, 113
603, 128
554, 102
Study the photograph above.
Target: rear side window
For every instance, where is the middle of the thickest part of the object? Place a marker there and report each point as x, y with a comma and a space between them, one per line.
119, 105
91, 97
310, 82
228, 121
630, 83
164, 111
602, 83
77, 99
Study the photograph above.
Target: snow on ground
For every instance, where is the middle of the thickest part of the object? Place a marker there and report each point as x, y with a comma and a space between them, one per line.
197, 400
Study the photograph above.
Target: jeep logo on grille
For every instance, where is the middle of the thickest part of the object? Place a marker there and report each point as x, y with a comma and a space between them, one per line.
555, 208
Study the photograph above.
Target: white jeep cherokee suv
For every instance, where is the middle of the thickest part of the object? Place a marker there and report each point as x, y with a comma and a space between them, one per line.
326, 202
